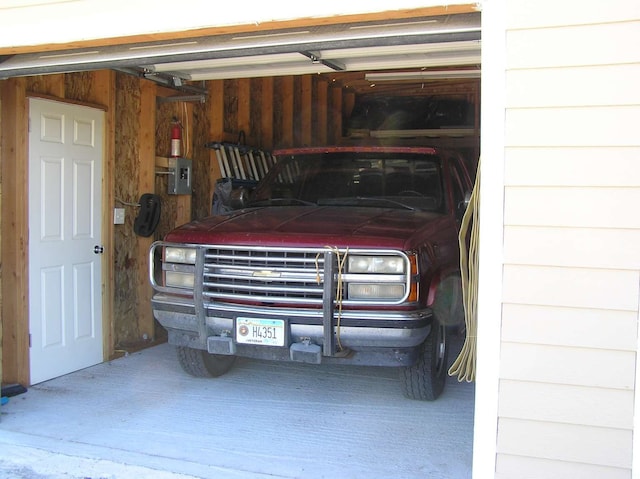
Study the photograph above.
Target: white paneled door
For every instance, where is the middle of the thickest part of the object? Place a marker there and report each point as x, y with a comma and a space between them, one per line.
65, 248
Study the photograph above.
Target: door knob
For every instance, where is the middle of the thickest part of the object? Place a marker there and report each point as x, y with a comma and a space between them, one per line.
97, 249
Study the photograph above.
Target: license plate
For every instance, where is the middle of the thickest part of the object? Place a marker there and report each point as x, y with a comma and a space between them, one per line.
262, 332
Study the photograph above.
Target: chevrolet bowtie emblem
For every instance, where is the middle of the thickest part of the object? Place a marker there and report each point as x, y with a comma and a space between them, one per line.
266, 274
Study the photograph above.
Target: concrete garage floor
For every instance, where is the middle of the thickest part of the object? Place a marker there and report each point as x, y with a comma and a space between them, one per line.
141, 417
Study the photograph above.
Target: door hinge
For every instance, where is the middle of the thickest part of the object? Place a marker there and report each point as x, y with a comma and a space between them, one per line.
29, 339
29, 126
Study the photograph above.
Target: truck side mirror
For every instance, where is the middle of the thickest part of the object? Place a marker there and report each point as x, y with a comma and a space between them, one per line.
239, 198
464, 204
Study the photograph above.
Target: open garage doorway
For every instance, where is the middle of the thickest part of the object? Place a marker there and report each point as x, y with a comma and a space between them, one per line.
385, 85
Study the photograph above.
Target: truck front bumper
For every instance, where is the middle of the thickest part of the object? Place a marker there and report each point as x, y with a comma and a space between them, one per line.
381, 338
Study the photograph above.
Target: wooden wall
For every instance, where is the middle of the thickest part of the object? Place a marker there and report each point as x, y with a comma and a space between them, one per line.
94, 89
271, 112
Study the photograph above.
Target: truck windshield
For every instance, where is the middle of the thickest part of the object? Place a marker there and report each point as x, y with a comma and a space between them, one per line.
407, 181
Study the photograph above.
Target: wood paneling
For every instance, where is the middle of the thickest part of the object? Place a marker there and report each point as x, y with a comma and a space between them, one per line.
53, 85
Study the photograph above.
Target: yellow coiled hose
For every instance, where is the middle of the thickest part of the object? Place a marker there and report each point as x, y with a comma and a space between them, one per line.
465, 364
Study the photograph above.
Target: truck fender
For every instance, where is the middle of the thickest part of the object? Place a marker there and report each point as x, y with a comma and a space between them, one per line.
445, 299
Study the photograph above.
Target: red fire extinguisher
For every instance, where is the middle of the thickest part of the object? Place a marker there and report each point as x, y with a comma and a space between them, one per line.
176, 138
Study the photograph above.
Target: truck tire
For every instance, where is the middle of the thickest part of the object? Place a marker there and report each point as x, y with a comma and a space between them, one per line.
426, 378
201, 364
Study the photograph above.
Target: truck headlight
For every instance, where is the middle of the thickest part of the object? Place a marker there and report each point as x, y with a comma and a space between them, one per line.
376, 264
174, 254
179, 267
178, 279
373, 291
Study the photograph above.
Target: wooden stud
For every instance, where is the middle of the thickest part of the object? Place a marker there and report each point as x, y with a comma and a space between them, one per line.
305, 113
52, 85
183, 202
321, 106
266, 119
286, 112
244, 106
103, 92
215, 114
14, 228
335, 117
146, 184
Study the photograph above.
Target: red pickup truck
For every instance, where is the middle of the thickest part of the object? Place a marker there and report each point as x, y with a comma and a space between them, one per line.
340, 254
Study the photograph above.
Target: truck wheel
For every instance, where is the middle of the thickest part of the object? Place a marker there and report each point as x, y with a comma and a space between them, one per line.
425, 379
201, 364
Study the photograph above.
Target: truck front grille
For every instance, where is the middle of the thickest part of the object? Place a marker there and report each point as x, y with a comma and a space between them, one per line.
268, 275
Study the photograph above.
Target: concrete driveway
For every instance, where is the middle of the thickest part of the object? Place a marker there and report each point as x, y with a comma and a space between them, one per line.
141, 417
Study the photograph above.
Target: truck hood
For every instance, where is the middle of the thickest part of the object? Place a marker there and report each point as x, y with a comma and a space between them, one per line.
313, 226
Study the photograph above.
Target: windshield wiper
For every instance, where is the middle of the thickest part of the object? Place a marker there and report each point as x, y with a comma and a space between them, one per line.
281, 201
359, 200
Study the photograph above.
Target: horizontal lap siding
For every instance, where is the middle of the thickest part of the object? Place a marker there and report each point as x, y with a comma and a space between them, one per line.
534, 468
570, 404
572, 229
570, 327
566, 443
573, 247
573, 166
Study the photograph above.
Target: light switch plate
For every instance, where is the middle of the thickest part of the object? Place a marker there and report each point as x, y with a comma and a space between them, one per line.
118, 216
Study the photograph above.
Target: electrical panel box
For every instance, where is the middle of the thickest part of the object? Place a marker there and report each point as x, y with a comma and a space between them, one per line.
179, 176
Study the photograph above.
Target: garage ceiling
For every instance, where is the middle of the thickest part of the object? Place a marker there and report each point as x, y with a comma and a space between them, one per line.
450, 43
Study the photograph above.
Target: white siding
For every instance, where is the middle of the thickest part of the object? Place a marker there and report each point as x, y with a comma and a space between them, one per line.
568, 365
564, 442
570, 327
563, 403
573, 247
551, 166
533, 468
571, 276
571, 287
